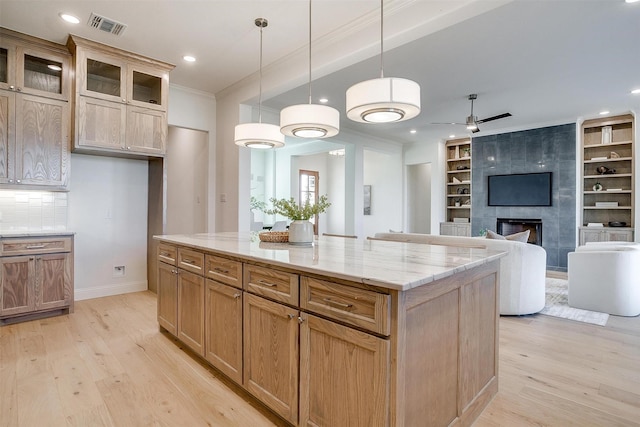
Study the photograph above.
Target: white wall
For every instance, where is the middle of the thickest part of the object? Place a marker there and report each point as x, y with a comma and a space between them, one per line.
419, 198
108, 212
335, 186
383, 171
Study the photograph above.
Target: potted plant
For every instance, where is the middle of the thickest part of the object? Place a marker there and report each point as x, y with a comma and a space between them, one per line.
300, 229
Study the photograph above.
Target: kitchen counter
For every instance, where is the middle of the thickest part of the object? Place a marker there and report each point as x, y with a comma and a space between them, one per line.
343, 331
374, 262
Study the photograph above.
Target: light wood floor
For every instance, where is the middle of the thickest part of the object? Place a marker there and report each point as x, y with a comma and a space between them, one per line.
107, 364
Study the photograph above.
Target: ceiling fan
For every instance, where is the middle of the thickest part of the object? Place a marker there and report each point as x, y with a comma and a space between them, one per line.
472, 121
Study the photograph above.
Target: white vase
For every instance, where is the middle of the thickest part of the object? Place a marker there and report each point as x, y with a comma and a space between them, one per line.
301, 232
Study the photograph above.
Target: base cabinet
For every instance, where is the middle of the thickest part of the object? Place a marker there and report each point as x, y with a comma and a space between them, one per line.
455, 229
167, 294
191, 310
223, 328
271, 334
605, 234
356, 360
33, 281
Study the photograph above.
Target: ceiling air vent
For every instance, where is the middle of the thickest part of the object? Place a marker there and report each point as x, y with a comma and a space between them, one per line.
103, 23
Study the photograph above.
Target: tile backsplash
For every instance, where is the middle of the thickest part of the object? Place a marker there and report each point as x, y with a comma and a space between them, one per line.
33, 210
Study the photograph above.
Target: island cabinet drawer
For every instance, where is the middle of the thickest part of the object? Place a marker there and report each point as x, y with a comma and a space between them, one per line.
359, 307
167, 253
223, 270
38, 245
191, 261
271, 283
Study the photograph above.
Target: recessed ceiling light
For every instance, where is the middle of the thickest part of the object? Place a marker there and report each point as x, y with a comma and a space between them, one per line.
69, 18
189, 58
602, 113
413, 131
54, 67
452, 136
323, 100
631, 1
635, 91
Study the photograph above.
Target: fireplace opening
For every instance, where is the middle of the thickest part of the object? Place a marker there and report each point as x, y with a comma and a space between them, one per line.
507, 226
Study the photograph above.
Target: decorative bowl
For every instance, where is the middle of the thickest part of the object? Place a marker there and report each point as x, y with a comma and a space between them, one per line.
274, 236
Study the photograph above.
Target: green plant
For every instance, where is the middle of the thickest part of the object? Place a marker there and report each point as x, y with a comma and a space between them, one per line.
292, 210
257, 204
483, 232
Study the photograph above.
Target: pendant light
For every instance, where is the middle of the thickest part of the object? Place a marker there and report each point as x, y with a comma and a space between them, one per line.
386, 99
309, 120
259, 135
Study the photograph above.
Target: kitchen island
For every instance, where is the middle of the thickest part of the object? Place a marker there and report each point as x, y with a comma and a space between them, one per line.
343, 332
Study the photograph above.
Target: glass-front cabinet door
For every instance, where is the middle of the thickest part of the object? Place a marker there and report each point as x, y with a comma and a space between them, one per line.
43, 74
7, 66
147, 88
102, 76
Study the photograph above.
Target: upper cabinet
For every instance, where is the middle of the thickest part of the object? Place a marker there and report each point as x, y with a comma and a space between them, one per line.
34, 112
120, 101
608, 179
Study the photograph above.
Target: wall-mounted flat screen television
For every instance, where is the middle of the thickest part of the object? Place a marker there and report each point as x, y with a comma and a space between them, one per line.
522, 189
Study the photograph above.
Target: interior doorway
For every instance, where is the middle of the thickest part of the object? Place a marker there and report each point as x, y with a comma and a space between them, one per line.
309, 192
419, 198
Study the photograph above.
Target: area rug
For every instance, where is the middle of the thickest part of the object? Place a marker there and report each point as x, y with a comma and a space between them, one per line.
556, 305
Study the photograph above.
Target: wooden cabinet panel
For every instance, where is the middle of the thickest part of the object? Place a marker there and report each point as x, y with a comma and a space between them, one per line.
167, 254
605, 234
339, 366
146, 130
191, 260
54, 280
191, 310
7, 136
271, 354
274, 284
224, 270
167, 294
223, 328
18, 287
358, 307
100, 123
35, 245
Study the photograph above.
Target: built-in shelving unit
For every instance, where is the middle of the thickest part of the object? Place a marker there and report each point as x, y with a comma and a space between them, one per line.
458, 192
607, 179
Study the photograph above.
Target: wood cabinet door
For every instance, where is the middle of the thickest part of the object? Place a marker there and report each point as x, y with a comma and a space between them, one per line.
53, 272
620, 236
271, 351
591, 236
146, 131
223, 328
100, 123
7, 136
17, 282
101, 76
337, 365
167, 294
191, 310
34, 75
42, 141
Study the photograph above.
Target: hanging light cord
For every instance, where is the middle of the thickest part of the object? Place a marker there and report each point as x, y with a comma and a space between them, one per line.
261, 24
309, 51
381, 39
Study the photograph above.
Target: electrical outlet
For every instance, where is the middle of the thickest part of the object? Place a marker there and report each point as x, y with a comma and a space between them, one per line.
118, 271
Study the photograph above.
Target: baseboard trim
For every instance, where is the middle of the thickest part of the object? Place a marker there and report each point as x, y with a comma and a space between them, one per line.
109, 290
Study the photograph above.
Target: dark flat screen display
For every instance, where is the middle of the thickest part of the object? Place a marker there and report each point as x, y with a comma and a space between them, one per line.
528, 189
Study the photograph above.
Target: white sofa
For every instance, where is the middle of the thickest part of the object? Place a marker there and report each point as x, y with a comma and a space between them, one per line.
522, 270
605, 277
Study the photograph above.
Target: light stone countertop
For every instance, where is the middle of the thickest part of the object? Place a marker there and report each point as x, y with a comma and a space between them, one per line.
392, 265
34, 233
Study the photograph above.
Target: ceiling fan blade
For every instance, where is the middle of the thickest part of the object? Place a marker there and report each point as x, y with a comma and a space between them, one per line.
499, 116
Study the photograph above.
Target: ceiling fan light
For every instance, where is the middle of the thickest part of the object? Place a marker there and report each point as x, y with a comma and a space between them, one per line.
258, 135
309, 121
471, 123
383, 100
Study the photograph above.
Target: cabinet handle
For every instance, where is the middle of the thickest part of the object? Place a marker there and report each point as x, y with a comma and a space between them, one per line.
10, 181
265, 283
188, 261
300, 320
31, 258
291, 316
174, 271
237, 295
35, 246
128, 148
18, 181
12, 87
19, 89
336, 303
221, 270
164, 254
124, 101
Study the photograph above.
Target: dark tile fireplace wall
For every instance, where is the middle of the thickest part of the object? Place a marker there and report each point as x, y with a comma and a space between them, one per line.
550, 149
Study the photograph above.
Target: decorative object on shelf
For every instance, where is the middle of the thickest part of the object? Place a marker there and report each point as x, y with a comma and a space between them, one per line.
462, 167
595, 224
310, 120
259, 135
603, 170
385, 99
596, 159
300, 229
462, 190
455, 180
597, 187
606, 134
274, 236
466, 152
615, 155
617, 224
457, 203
